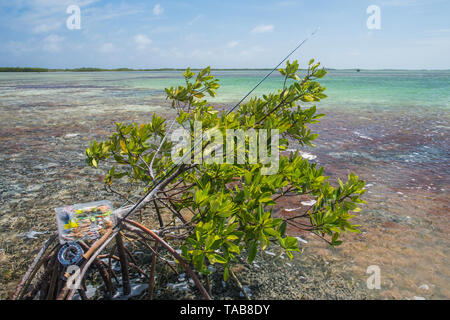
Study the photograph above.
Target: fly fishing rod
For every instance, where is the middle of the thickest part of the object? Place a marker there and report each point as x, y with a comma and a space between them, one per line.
168, 172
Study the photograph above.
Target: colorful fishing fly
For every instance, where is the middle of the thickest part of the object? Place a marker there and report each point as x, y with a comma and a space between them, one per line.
84, 221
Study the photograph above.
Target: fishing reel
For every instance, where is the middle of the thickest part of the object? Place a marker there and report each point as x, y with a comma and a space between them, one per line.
70, 254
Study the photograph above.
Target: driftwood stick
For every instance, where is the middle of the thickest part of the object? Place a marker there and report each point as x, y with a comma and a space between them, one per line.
123, 265
31, 270
176, 255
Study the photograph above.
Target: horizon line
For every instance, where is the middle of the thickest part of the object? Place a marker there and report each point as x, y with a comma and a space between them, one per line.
125, 69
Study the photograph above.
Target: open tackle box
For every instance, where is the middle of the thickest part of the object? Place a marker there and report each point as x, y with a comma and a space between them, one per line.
84, 221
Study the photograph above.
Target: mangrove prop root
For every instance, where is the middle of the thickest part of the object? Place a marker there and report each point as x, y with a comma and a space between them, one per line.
208, 285
111, 271
105, 276
52, 282
46, 285
100, 246
29, 274
135, 264
123, 265
186, 266
51, 294
239, 284
151, 284
158, 255
102, 270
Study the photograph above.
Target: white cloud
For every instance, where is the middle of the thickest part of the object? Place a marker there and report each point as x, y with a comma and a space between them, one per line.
286, 3
52, 43
439, 31
41, 16
232, 44
142, 41
53, 3
252, 51
164, 29
110, 12
403, 3
157, 10
17, 47
46, 26
437, 41
200, 54
107, 47
263, 28
197, 17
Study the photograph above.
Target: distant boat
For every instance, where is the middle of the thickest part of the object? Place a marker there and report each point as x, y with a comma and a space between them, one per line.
358, 70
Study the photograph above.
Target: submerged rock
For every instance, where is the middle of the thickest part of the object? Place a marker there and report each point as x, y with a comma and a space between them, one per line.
424, 287
71, 135
31, 234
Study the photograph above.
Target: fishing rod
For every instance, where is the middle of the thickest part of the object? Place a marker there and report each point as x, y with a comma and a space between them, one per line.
168, 172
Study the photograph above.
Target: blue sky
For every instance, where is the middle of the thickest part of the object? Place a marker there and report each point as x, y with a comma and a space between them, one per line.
414, 34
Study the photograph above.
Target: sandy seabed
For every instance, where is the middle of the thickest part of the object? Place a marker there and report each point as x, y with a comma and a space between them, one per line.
405, 224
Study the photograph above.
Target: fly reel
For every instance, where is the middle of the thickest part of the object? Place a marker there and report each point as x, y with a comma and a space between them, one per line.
70, 254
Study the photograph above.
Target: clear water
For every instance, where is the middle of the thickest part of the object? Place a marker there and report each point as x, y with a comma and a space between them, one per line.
390, 127
383, 89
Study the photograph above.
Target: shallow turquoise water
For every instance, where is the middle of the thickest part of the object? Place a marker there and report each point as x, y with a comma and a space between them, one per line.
366, 88
349, 89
